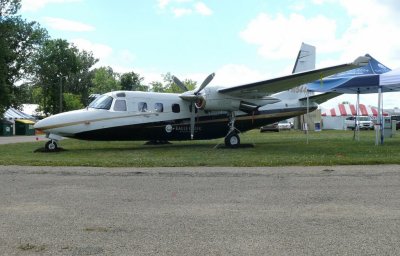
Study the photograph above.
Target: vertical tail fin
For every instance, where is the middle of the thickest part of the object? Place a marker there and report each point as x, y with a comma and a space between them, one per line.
305, 59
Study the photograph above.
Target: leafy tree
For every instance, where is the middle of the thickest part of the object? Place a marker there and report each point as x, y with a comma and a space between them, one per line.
19, 41
62, 68
9, 7
157, 87
105, 80
190, 84
171, 87
132, 82
80, 82
72, 102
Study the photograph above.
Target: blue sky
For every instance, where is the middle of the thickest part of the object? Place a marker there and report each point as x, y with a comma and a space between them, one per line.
242, 41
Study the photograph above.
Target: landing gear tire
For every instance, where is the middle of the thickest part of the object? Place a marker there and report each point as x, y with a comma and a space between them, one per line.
232, 140
51, 146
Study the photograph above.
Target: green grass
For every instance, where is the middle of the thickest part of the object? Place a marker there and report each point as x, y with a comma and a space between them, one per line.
270, 149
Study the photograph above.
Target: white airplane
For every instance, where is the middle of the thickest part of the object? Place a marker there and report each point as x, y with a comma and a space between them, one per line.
207, 112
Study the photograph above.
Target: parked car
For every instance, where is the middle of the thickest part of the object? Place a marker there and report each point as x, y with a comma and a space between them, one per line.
276, 127
363, 122
397, 118
270, 128
284, 125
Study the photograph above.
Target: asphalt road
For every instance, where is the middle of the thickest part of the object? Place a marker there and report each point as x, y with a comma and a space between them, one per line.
343, 210
18, 139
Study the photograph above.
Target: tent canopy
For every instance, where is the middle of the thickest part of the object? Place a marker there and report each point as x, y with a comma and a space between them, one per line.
350, 110
13, 113
360, 80
390, 79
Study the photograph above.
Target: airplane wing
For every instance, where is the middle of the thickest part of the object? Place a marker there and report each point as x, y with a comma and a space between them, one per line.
321, 98
271, 86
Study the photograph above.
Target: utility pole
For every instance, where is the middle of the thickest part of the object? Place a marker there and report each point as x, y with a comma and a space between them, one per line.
61, 93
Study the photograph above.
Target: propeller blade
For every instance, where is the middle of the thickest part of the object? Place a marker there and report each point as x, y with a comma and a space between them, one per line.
192, 120
180, 84
205, 82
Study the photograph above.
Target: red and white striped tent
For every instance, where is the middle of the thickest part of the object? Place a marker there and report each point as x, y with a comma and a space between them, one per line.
350, 110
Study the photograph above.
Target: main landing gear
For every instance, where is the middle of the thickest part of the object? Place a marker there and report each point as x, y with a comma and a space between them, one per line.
232, 139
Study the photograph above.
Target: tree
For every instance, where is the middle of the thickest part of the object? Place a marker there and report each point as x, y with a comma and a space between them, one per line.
171, 87
9, 7
19, 41
190, 84
132, 81
79, 83
72, 102
105, 80
62, 68
157, 87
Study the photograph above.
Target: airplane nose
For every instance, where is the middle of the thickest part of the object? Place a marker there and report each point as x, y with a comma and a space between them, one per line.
41, 124
38, 125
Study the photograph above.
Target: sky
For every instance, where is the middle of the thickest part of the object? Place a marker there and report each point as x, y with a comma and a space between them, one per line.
241, 41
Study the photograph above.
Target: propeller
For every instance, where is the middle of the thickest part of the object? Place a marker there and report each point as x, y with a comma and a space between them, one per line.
180, 84
192, 97
205, 83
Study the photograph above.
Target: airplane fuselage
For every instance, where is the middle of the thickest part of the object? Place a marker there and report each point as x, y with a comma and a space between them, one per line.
158, 116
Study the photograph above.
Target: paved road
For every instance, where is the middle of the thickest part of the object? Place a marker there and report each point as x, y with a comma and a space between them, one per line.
18, 139
340, 210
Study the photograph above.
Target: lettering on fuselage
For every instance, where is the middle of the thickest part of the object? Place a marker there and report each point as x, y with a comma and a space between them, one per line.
181, 128
299, 89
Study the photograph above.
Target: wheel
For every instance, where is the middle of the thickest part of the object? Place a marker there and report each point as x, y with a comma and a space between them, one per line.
51, 146
232, 140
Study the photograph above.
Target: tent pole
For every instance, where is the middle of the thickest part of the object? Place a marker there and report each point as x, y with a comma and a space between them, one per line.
378, 132
356, 128
307, 119
382, 119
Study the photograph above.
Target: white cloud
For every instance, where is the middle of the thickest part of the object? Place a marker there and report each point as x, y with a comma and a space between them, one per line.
181, 8
126, 56
298, 6
67, 25
179, 12
279, 36
120, 60
203, 9
372, 27
34, 5
163, 3
100, 51
234, 74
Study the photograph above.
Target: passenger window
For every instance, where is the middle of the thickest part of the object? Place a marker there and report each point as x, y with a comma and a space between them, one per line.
176, 108
120, 105
142, 106
158, 107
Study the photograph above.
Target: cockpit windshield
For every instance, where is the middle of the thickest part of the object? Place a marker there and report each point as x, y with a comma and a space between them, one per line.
102, 102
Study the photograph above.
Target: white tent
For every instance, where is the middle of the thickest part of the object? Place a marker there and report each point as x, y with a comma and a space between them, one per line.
390, 80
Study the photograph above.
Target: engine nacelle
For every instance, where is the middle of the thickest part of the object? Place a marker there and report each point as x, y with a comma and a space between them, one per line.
222, 104
212, 100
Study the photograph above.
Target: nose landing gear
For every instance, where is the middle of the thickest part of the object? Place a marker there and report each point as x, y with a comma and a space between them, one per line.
51, 146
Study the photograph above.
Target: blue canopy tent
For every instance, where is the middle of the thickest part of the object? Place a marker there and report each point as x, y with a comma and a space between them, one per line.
372, 78
360, 80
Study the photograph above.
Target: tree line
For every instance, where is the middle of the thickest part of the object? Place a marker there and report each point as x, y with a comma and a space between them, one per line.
54, 73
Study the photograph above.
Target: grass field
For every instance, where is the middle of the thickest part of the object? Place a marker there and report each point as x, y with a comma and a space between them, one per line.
270, 149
